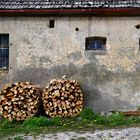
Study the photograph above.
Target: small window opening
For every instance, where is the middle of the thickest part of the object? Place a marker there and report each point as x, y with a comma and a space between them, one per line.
4, 51
96, 43
51, 23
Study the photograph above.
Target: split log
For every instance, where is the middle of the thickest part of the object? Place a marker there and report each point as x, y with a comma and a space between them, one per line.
19, 101
131, 113
63, 98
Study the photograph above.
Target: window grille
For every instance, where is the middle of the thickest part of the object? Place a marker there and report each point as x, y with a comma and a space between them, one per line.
95, 43
4, 51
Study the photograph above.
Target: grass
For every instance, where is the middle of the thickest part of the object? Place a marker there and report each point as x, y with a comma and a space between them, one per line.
42, 121
18, 138
87, 120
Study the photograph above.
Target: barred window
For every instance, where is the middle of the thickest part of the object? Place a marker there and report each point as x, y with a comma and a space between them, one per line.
96, 43
4, 51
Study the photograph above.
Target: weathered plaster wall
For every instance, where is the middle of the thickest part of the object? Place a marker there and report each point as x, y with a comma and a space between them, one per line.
39, 53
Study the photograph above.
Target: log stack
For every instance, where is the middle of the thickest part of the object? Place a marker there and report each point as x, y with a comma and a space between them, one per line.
19, 101
63, 98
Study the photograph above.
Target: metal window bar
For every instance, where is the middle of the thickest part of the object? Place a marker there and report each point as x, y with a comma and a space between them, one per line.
4, 58
97, 45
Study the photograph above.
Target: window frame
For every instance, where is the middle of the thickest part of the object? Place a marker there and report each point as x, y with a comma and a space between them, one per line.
89, 41
4, 46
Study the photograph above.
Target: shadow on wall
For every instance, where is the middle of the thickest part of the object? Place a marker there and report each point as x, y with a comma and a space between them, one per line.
91, 76
103, 101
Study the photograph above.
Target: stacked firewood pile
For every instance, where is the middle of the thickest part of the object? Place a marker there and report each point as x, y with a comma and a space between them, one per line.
22, 100
19, 101
63, 98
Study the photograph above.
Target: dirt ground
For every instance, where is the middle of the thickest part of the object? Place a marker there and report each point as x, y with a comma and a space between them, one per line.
113, 134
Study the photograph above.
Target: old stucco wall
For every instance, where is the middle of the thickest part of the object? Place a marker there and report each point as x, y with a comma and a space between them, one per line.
39, 53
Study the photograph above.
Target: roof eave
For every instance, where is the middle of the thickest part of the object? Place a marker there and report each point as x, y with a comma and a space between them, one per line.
59, 12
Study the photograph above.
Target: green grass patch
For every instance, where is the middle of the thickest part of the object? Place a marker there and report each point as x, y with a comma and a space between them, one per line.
87, 120
42, 121
18, 138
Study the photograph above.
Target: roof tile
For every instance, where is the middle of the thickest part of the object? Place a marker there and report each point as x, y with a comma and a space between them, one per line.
67, 4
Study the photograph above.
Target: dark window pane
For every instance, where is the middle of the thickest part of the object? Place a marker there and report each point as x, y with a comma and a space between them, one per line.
4, 40
4, 52
97, 44
51, 23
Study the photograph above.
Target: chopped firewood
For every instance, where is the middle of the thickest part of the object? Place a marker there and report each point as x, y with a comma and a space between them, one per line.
19, 101
62, 98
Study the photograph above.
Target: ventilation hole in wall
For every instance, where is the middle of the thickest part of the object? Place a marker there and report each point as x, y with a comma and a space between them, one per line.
137, 26
51, 23
77, 29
